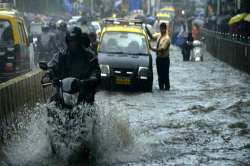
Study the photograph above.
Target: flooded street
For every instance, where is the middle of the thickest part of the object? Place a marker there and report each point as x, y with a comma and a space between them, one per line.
203, 120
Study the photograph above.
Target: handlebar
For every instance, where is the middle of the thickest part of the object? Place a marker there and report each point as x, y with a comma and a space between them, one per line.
47, 84
91, 79
56, 81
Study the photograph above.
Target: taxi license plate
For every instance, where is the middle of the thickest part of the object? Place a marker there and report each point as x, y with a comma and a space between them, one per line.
122, 81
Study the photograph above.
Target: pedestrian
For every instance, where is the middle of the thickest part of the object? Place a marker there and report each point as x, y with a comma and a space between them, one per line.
46, 44
187, 47
196, 32
162, 56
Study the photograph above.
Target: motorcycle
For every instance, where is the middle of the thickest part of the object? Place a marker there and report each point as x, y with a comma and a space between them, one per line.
70, 122
197, 51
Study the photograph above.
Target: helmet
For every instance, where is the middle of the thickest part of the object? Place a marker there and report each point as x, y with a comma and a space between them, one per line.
74, 34
58, 23
61, 25
52, 25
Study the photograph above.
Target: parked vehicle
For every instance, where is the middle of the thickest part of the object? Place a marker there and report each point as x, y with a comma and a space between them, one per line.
166, 13
14, 45
124, 55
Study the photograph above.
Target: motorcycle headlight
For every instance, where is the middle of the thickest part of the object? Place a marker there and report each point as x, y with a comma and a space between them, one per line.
196, 43
198, 58
105, 70
143, 73
70, 99
197, 52
35, 39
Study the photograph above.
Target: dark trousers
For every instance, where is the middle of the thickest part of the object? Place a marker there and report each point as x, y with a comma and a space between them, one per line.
162, 65
186, 54
186, 49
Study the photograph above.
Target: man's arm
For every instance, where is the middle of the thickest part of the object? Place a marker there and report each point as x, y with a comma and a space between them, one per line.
151, 36
55, 64
96, 71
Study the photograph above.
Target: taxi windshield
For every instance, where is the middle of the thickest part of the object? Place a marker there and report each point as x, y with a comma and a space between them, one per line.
6, 34
123, 42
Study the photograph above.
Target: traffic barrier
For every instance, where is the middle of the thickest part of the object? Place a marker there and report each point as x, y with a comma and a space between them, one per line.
20, 92
232, 49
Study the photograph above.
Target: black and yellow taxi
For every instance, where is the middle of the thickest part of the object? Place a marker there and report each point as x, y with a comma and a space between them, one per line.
124, 55
14, 44
166, 13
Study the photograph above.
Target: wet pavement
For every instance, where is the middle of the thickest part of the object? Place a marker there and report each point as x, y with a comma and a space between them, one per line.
203, 120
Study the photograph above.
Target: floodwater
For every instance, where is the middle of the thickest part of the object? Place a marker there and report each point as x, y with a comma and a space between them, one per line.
203, 120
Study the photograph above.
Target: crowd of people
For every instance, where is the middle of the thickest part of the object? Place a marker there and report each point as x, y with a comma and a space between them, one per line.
224, 24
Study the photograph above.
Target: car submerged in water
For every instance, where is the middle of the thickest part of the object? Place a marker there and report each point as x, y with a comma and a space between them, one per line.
124, 55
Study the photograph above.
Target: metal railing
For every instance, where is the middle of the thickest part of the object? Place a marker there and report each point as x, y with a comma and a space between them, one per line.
20, 93
230, 48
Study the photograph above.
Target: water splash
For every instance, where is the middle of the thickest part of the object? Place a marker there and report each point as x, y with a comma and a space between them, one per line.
26, 141
71, 130
34, 133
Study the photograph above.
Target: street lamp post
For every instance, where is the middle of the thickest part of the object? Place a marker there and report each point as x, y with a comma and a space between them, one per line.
218, 12
14, 3
148, 7
47, 6
91, 7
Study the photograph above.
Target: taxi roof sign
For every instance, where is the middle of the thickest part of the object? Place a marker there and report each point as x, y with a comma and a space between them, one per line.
122, 21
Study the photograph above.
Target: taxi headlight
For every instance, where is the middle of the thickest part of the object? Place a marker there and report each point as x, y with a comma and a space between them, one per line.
143, 72
10, 49
105, 70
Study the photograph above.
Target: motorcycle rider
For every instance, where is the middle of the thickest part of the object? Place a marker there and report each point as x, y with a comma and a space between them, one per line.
195, 34
46, 43
187, 47
62, 30
78, 61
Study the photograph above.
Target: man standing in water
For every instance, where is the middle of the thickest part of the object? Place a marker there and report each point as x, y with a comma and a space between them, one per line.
162, 53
